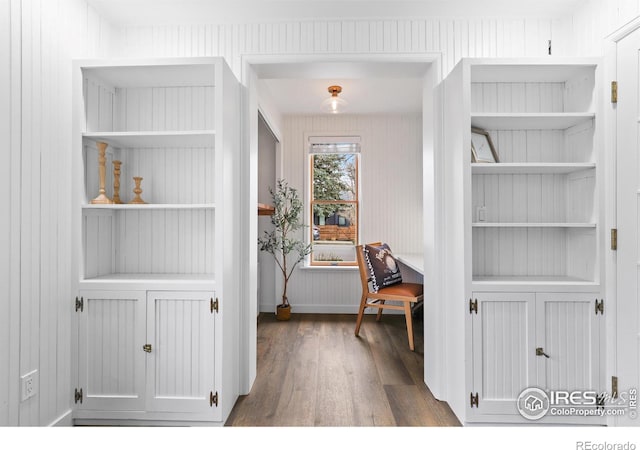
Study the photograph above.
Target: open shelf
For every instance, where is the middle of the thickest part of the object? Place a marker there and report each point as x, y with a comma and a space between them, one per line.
528, 168
532, 225
265, 210
144, 281
528, 121
154, 139
532, 283
540, 70
147, 206
148, 73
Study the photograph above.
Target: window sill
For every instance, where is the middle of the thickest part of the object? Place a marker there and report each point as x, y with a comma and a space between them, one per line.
330, 268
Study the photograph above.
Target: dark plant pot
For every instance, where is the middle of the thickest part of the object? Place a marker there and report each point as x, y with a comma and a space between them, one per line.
283, 312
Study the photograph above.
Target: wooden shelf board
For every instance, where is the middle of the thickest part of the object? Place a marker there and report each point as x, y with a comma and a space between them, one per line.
532, 225
148, 206
265, 210
528, 121
529, 168
154, 139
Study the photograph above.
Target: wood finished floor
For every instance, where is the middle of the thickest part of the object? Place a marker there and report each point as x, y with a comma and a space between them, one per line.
313, 371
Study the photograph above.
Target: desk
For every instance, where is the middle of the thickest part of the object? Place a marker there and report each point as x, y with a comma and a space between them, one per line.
412, 270
414, 261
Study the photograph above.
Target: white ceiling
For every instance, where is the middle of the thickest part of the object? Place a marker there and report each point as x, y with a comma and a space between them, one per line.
364, 95
369, 87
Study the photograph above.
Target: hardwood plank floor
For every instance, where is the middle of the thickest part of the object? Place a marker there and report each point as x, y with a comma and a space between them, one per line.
313, 371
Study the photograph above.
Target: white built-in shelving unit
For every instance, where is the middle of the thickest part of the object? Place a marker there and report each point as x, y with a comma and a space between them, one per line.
524, 235
163, 273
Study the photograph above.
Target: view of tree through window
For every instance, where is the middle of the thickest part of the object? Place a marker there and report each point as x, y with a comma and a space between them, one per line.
334, 207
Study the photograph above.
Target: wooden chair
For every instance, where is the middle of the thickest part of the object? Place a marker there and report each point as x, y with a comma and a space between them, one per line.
406, 293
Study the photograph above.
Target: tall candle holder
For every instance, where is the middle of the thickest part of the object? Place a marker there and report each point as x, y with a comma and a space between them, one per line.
116, 182
102, 198
137, 200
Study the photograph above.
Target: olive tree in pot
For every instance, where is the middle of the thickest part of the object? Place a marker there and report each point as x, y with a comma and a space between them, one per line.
282, 242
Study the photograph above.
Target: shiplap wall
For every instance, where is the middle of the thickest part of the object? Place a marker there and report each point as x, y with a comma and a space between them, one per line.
45, 36
454, 38
8, 230
390, 202
596, 19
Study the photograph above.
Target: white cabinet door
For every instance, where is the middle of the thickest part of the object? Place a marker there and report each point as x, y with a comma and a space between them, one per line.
180, 366
503, 331
507, 330
569, 331
111, 365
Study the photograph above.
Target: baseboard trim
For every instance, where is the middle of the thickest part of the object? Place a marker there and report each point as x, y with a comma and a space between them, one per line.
325, 309
64, 420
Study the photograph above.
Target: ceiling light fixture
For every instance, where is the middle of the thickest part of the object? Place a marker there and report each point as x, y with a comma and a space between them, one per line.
334, 104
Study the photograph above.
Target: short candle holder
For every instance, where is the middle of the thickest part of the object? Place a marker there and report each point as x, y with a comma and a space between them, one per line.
137, 200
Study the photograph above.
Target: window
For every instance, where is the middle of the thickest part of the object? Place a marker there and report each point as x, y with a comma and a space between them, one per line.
334, 200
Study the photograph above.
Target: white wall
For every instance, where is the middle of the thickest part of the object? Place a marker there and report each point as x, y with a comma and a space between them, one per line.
598, 19
8, 229
391, 197
266, 180
454, 38
45, 35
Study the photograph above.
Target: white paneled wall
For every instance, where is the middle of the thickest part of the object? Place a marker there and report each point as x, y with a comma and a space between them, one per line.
8, 229
45, 36
596, 19
454, 38
391, 197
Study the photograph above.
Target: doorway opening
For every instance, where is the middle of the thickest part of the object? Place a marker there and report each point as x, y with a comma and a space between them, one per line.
276, 84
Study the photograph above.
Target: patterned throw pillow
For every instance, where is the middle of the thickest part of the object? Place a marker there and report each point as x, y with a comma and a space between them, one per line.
383, 267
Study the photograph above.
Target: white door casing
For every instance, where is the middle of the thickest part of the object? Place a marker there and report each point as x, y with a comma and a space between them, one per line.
627, 325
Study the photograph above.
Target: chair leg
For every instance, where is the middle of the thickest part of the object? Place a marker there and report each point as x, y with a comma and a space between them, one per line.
407, 314
379, 315
363, 305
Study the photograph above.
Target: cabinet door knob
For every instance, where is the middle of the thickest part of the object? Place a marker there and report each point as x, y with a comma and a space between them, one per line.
147, 348
540, 352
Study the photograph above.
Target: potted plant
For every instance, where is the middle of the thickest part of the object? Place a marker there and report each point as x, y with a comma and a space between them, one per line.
282, 242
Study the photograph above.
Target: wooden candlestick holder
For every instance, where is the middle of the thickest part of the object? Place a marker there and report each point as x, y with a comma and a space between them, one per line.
116, 182
137, 200
102, 198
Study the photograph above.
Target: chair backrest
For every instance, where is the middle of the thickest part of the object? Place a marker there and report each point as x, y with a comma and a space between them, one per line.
365, 276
